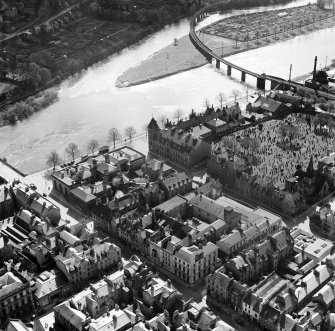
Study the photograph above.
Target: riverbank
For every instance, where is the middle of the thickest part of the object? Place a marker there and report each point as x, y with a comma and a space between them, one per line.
86, 36
175, 59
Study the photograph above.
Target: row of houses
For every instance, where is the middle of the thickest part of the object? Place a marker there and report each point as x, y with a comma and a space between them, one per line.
276, 284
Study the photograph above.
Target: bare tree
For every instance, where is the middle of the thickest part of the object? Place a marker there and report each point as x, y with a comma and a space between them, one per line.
235, 94
72, 151
178, 114
92, 145
221, 99
292, 133
130, 132
236, 36
207, 103
162, 119
254, 145
246, 91
53, 159
247, 38
114, 136
282, 132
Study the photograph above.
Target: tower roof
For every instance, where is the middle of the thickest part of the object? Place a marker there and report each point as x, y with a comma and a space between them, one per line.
153, 124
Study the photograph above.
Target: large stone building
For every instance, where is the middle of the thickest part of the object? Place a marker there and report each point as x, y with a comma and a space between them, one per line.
180, 147
80, 263
15, 295
6, 203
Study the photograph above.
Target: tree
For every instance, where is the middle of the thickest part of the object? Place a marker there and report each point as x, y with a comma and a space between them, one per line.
292, 133
236, 94
129, 132
178, 114
53, 159
236, 36
230, 143
257, 34
207, 103
301, 23
254, 145
247, 38
282, 132
72, 151
114, 136
275, 31
175, 41
292, 25
92, 145
162, 119
221, 99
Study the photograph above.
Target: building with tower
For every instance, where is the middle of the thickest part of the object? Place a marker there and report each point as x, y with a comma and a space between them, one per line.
185, 147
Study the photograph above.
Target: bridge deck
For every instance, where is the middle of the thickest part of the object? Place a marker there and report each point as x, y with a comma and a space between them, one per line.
209, 54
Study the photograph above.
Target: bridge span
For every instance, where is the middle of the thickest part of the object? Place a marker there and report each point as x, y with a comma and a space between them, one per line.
261, 78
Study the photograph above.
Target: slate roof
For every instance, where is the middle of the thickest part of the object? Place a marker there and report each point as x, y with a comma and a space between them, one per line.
10, 284
177, 180
48, 282
312, 281
73, 316
106, 322
81, 194
268, 104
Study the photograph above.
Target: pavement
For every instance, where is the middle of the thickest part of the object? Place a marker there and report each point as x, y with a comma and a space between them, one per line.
8, 173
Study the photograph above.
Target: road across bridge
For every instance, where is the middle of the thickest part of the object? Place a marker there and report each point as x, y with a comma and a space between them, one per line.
261, 78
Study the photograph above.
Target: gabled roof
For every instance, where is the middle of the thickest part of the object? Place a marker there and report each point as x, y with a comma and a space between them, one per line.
80, 193
268, 104
153, 125
177, 180
73, 316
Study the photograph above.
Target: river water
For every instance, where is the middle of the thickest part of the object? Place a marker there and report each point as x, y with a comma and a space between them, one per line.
92, 104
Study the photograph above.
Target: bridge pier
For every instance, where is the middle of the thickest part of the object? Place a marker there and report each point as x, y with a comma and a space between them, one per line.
217, 64
273, 85
242, 76
228, 70
260, 83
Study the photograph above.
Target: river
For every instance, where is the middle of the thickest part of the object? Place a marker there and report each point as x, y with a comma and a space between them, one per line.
92, 104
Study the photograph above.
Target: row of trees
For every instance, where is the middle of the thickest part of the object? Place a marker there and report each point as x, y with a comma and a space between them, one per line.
220, 98
23, 109
72, 150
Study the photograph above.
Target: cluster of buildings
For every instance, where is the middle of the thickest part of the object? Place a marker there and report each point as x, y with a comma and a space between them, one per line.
303, 188
188, 143
14, 13
133, 298
44, 258
285, 282
190, 232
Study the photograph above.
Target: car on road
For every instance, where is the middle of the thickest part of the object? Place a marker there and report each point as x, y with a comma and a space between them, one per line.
33, 186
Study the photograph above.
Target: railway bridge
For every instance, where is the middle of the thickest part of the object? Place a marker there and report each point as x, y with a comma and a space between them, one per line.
260, 78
